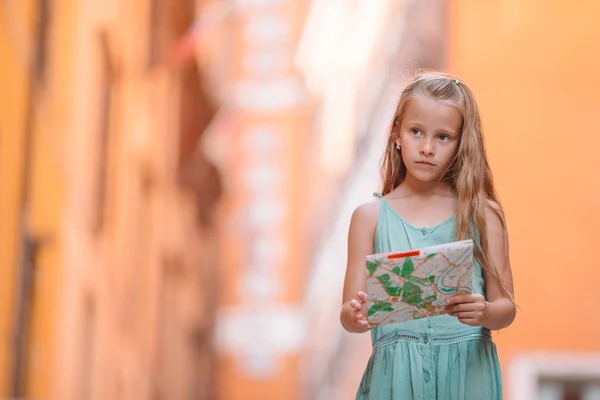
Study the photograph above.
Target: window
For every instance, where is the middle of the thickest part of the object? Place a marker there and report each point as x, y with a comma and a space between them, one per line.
549, 376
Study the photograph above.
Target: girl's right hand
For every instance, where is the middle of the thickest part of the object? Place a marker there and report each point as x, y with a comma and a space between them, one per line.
359, 310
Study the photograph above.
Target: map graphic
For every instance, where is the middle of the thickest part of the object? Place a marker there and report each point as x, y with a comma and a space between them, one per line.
416, 284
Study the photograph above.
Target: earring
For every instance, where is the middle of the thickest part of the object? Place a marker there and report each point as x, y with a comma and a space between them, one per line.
398, 146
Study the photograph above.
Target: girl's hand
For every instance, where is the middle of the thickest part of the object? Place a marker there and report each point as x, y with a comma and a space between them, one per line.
358, 307
470, 309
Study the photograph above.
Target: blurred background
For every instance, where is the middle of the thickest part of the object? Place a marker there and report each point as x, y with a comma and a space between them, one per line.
177, 179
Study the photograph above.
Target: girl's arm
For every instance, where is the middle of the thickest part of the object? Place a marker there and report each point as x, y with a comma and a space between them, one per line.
360, 244
495, 311
500, 310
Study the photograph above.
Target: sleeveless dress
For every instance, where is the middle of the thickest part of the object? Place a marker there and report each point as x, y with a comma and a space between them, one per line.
430, 358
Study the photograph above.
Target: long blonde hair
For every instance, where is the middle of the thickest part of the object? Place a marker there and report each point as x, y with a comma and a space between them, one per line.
469, 173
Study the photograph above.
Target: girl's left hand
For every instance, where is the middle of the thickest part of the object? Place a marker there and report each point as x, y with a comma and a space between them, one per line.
470, 309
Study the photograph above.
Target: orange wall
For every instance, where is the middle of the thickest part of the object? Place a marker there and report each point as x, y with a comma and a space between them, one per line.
14, 88
534, 69
44, 194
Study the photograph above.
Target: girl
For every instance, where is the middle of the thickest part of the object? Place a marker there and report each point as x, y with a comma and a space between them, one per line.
437, 188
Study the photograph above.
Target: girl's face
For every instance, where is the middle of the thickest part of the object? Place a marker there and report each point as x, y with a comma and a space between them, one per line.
429, 136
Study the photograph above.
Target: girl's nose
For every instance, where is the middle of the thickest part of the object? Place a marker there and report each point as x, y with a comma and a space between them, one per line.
426, 148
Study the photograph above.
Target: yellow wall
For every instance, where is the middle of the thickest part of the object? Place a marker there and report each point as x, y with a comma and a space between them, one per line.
534, 69
46, 194
47, 198
45, 188
14, 88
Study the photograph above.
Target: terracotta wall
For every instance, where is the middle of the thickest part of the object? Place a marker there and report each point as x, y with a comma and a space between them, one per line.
534, 69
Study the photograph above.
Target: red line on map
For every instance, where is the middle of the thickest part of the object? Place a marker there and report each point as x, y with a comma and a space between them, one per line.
405, 254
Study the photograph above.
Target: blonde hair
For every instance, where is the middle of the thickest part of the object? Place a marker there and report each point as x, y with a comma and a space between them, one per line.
469, 173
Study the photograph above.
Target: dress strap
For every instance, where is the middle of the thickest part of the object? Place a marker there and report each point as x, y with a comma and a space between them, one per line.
378, 195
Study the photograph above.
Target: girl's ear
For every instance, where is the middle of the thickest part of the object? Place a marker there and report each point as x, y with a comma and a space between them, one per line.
397, 142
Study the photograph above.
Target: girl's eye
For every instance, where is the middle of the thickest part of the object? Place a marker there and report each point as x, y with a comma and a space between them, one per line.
415, 131
444, 137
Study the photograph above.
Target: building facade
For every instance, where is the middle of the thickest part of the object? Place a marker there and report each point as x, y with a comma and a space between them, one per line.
111, 230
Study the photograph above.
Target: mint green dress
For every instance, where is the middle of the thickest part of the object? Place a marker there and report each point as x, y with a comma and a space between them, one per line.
430, 358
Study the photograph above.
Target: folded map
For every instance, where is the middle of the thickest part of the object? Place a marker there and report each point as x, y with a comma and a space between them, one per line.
415, 284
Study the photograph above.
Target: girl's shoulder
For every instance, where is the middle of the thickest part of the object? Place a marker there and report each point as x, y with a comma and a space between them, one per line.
494, 212
492, 205
495, 220
366, 214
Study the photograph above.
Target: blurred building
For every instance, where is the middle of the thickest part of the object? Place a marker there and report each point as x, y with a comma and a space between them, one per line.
260, 327
109, 209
